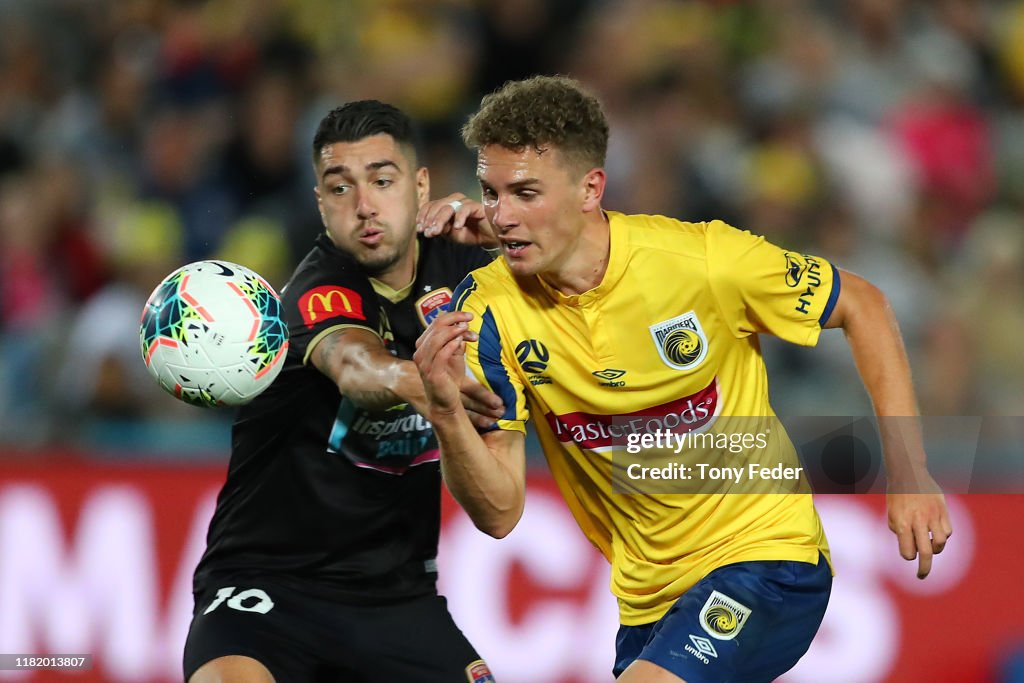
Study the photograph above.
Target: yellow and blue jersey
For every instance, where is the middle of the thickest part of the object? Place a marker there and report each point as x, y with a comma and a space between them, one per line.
672, 329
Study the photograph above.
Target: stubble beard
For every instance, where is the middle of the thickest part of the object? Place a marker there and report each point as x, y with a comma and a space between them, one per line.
379, 261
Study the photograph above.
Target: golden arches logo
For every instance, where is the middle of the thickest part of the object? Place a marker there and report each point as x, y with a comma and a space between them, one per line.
683, 346
720, 619
326, 301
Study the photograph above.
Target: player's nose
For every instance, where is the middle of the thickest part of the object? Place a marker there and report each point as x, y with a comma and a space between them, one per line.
505, 217
366, 208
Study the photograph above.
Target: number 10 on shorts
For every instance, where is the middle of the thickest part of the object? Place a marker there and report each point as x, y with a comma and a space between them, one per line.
249, 600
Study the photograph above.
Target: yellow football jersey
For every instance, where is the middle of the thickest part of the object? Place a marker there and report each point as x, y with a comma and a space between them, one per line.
670, 332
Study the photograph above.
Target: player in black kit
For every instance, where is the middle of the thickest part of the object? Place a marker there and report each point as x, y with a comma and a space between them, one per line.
320, 558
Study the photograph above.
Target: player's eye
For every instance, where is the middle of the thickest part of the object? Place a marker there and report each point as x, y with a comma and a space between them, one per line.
526, 195
340, 189
383, 182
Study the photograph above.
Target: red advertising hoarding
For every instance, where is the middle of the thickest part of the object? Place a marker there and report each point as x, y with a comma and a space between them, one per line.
97, 559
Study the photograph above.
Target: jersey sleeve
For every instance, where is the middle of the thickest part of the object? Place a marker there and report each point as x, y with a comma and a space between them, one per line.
763, 288
487, 359
321, 300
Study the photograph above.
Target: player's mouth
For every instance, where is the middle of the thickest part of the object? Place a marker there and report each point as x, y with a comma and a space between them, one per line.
371, 237
515, 248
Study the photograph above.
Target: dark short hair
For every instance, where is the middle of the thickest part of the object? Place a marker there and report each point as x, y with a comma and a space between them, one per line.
539, 112
354, 121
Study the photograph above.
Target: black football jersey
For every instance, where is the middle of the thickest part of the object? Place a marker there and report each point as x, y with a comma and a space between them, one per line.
341, 501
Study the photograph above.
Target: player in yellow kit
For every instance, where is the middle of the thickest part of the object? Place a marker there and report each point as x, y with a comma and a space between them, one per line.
599, 325
533, 352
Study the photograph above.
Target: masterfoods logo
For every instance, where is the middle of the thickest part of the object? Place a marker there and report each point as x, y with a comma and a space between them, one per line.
693, 413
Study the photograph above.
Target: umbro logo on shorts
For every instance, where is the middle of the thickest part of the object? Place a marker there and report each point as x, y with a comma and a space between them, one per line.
702, 648
704, 645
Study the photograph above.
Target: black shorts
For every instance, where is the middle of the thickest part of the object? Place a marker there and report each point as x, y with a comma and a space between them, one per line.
305, 639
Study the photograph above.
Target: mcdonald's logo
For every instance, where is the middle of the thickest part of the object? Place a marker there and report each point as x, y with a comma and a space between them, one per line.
327, 301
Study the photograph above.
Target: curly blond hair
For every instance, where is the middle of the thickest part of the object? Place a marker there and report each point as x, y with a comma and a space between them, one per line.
542, 112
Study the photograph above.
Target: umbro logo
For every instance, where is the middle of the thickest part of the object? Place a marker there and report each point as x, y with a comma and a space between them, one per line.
610, 375
702, 649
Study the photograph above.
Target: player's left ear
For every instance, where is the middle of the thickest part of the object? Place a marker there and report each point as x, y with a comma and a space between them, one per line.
593, 189
422, 186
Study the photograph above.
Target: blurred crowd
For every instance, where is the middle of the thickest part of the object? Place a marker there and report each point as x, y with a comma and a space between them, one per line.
135, 136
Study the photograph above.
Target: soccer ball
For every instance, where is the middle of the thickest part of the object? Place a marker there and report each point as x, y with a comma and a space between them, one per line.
212, 334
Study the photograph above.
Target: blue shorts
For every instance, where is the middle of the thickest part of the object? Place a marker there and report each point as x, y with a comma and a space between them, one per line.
747, 622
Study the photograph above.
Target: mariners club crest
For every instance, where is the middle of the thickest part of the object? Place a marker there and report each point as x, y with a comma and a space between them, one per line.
722, 617
681, 342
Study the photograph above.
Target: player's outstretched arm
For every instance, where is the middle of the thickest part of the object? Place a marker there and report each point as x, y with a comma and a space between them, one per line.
485, 473
371, 377
916, 506
365, 371
458, 218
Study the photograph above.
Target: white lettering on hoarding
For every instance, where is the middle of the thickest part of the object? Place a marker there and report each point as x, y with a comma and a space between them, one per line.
859, 639
560, 636
94, 587
97, 594
179, 604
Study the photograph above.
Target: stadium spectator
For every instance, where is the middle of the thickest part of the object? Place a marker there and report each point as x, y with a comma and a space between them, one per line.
101, 373
90, 83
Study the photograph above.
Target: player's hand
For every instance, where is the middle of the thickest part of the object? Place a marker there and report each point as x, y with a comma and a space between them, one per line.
440, 359
438, 352
458, 218
482, 405
919, 520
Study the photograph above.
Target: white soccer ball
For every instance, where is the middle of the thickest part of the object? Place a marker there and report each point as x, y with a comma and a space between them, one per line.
212, 334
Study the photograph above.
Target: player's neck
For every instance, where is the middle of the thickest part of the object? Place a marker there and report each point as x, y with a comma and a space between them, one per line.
587, 260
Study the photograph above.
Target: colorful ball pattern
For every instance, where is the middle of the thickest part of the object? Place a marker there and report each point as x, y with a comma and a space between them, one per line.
212, 334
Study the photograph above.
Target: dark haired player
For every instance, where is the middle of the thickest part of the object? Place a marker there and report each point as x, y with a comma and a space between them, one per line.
320, 559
